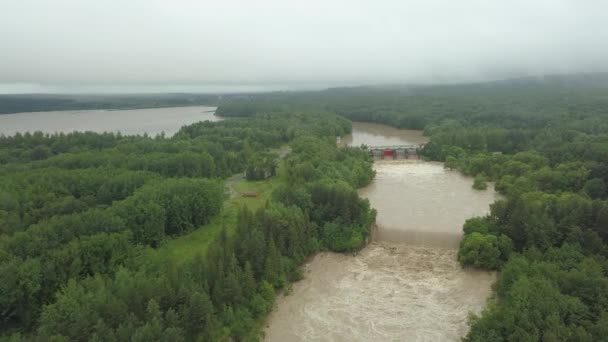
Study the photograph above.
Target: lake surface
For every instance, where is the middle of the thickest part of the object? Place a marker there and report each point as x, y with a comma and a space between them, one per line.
133, 121
406, 285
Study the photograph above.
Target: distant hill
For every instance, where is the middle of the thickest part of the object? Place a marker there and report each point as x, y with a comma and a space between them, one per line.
521, 102
46, 102
246, 104
549, 82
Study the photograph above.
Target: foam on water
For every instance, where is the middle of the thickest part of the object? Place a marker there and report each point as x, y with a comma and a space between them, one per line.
385, 293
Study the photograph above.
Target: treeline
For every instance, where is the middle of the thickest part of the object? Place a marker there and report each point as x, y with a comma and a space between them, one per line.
576, 101
44, 103
80, 221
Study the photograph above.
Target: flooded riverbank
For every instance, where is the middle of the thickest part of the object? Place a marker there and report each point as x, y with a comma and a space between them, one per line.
406, 285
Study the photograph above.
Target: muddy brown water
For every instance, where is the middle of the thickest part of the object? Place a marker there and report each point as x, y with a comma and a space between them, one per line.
406, 285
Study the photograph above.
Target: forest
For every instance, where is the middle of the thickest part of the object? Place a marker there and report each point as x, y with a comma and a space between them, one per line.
544, 143
17, 103
83, 214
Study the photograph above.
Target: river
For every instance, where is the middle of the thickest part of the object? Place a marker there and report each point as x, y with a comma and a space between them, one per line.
132, 121
406, 285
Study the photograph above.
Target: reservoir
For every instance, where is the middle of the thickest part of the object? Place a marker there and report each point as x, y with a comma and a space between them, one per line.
152, 121
406, 285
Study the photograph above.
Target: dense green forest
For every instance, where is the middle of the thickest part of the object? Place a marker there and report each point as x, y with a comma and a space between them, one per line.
82, 214
545, 145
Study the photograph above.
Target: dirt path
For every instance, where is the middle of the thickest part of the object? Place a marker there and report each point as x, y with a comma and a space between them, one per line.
230, 184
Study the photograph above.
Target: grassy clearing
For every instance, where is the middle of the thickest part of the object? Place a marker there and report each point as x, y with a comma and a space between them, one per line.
187, 246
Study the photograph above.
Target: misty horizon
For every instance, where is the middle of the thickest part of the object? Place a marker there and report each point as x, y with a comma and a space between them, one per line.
37, 89
137, 46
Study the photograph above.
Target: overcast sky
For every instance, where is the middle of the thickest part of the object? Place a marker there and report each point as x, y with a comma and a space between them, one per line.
125, 45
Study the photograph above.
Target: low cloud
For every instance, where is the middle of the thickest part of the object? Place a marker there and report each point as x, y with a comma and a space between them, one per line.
71, 44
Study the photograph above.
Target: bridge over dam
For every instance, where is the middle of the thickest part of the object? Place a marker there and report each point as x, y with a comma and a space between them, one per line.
395, 151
